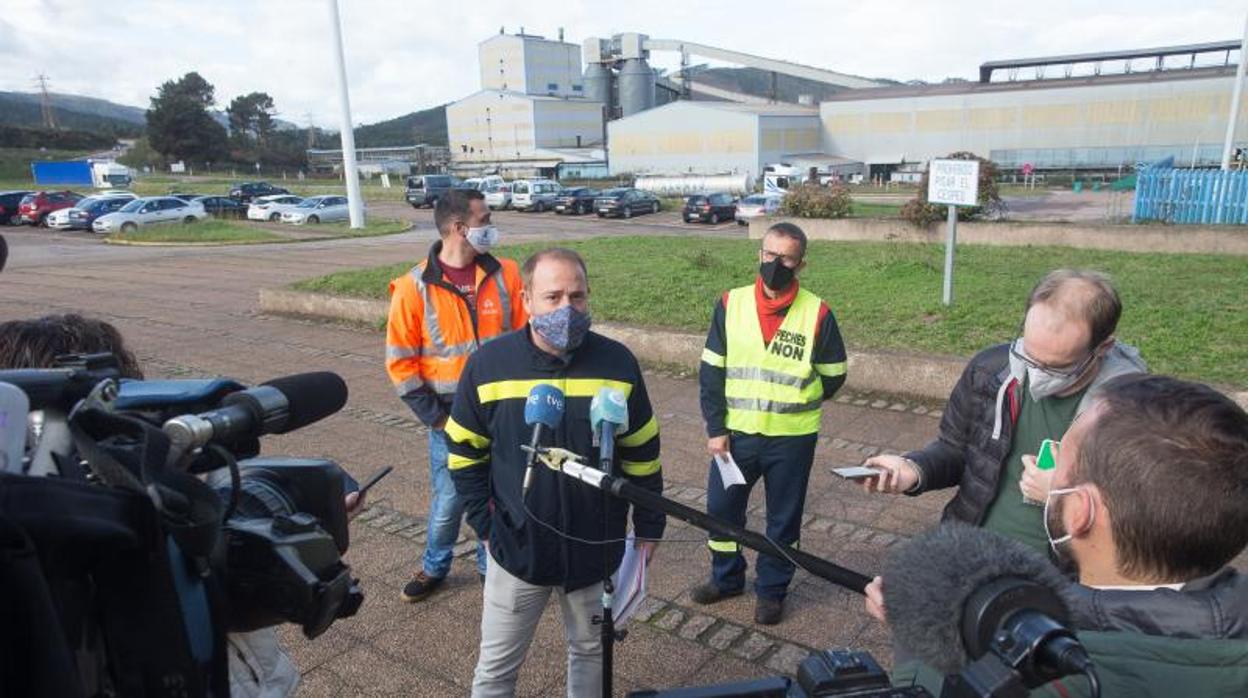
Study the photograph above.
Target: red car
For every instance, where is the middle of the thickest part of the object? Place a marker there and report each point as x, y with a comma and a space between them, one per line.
35, 207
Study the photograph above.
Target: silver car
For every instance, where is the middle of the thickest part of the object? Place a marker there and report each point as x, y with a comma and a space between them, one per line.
757, 205
147, 211
317, 209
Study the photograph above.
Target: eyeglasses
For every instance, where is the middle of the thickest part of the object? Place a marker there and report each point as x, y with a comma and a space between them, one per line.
786, 260
1060, 372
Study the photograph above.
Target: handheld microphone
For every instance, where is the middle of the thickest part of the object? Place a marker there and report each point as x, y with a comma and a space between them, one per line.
608, 415
276, 407
960, 593
543, 408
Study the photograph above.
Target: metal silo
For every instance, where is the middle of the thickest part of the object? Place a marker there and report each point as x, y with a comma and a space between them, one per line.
598, 83
636, 83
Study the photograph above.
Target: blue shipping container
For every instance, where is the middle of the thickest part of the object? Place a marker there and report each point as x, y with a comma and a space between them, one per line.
56, 173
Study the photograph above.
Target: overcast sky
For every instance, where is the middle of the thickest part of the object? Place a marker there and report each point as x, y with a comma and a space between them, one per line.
403, 56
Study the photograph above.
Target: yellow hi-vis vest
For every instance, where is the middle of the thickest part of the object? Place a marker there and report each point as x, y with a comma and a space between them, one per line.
772, 389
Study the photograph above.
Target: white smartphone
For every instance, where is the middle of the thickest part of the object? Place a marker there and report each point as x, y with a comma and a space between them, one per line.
857, 472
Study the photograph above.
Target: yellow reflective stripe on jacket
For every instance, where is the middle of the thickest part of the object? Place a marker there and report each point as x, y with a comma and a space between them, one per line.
831, 370
722, 546
640, 468
454, 462
712, 359
461, 435
571, 387
648, 431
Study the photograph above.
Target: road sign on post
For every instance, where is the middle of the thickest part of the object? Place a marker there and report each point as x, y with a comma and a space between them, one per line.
953, 183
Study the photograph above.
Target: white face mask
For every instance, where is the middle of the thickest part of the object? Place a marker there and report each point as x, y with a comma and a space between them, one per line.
482, 239
1040, 383
1048, 533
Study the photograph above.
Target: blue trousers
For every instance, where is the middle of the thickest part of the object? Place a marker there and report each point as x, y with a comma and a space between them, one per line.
445, 513
783, 463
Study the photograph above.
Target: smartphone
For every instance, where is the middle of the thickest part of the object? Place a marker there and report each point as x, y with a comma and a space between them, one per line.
1046, 459
857, 472
376, 477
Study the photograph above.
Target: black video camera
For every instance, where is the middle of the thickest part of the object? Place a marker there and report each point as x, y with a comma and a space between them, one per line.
141, 526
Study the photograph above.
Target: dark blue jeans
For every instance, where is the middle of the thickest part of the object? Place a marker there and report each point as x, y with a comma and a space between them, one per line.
783, 463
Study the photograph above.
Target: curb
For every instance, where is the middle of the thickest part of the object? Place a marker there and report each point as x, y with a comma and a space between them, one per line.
923, 376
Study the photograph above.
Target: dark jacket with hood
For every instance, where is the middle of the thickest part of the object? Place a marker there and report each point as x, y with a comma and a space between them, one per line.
977, 429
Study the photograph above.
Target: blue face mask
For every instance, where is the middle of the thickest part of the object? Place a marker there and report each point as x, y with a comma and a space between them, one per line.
564, 329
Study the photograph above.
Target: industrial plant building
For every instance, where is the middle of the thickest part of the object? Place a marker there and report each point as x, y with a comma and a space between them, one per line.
539, 112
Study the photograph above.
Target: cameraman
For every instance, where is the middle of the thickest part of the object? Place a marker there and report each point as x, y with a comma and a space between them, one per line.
258, 668
1150, 505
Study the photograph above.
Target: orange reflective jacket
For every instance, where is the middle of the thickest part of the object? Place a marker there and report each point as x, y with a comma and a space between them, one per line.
432, 330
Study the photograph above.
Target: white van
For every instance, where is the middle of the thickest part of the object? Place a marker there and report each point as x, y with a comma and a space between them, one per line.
534, 194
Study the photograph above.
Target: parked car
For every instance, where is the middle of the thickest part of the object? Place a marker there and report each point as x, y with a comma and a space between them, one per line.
317, 209
576, 201
246, 191
147, 211
709, 208
184, 195
83, 214
625, 203
270, 208
9, 203
222, 206
498, 195
756, 205
35, 207
534, 194
424, 190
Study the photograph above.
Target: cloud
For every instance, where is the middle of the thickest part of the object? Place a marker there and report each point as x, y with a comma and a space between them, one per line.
404, 56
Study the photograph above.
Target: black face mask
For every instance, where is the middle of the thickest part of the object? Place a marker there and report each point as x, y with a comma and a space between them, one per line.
776, 276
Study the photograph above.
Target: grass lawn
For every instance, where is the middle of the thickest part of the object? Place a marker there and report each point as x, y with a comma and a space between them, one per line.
875, 209
227, 231
204, 231
1185, 312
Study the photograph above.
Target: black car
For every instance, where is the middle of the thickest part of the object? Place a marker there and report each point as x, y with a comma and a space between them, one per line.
625, 203
576, 200
709, 208
222, 206
246, 191
9, 201
86, 211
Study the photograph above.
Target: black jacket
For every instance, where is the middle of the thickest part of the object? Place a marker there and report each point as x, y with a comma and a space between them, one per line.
966, 454
487, 428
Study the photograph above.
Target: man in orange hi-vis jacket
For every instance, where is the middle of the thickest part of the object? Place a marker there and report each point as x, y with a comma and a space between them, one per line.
440, 312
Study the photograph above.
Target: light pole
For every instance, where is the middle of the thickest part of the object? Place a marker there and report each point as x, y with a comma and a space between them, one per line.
350, 173
1229, 143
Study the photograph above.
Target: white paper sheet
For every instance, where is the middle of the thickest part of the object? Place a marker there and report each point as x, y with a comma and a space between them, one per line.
729, 473
630, 582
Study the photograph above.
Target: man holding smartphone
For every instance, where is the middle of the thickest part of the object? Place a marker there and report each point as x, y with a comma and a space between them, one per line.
1009, 400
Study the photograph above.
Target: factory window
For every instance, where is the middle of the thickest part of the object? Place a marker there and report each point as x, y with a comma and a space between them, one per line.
578, 88
552, 85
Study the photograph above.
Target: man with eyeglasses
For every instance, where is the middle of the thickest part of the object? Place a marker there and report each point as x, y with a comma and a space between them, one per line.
1012, 397
772, 356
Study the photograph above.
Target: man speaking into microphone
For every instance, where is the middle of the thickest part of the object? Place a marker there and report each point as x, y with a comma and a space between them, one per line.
534, 388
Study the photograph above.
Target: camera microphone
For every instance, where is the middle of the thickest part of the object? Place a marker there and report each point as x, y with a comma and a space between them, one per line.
959, 593
276, 407
543, 409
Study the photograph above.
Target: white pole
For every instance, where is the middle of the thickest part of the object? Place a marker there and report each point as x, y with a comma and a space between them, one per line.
950, 241
1239, 83
355, 204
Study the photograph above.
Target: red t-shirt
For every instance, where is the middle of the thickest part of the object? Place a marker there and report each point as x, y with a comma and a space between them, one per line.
464, 279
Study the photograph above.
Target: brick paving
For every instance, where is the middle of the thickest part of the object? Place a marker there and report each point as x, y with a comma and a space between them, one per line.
192, 313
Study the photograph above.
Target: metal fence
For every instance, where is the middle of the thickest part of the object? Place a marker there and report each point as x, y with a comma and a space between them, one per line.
1191, 196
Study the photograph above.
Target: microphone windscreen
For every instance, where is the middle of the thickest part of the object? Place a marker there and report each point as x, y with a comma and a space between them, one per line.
544, 406
311, 397
609, 405
928, 581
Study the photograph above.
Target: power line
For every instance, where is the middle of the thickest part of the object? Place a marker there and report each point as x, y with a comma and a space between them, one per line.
45, 102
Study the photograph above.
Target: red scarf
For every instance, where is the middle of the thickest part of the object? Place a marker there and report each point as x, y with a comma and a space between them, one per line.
769, 309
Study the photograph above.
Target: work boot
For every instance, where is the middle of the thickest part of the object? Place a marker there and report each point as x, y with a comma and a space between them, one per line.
768, 611
708, 593
420, 588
